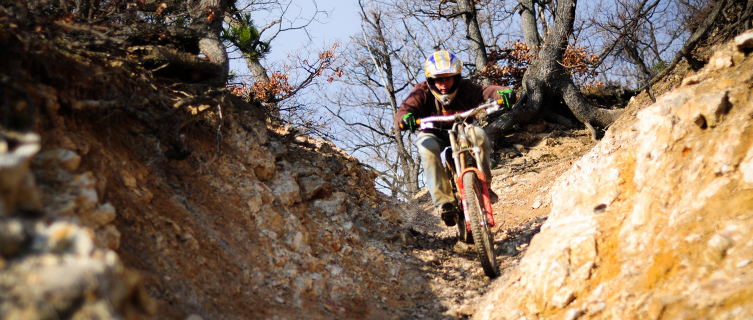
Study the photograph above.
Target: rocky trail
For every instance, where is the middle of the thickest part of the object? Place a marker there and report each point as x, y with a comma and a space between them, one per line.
522, 175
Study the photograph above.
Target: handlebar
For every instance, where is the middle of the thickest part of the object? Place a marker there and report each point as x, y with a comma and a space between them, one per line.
490, 106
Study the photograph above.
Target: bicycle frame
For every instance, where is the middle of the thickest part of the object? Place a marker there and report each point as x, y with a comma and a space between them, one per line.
461, 145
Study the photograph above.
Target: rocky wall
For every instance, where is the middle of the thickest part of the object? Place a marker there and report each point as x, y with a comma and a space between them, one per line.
655, 221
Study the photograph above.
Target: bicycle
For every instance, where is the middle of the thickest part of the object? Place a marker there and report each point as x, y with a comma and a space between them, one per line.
469, 183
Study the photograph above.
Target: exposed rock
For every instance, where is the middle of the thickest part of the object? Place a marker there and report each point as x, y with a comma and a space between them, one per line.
717, 248
706, 110
284, 186
14, 170
744, 42
64, 237
99, 217
563, 297
59, 157
107, 237
654, 220
573, 314
333, 205
12, 237
311, 185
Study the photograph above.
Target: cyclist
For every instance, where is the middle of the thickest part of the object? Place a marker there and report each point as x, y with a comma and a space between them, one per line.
445, 92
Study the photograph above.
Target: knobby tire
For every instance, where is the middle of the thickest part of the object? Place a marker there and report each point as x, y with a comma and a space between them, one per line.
482, 236
463, 234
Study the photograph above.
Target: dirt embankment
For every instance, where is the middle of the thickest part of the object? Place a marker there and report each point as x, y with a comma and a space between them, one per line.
135, 197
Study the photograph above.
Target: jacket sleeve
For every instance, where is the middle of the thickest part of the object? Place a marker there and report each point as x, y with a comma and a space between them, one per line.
412, 104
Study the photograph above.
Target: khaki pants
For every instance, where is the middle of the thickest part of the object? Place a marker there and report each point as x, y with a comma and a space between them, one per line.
430, 146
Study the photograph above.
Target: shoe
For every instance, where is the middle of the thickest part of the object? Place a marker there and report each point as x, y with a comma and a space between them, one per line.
493, 198
449, 214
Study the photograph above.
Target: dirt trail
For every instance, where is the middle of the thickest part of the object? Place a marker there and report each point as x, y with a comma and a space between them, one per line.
522, 177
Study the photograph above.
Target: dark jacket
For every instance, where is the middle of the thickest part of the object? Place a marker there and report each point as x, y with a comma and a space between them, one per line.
421, 103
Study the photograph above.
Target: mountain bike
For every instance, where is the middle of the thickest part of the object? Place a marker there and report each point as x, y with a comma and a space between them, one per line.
469, 183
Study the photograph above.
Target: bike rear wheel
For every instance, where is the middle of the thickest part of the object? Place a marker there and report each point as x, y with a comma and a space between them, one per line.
481, 233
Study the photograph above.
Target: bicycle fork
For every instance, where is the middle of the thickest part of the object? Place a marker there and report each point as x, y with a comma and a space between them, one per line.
460, 165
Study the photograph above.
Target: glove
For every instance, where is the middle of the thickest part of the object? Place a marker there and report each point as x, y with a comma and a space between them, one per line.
409, 123
508, 96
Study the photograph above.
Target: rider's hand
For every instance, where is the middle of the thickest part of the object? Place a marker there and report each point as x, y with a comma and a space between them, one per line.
508, 96
409, 123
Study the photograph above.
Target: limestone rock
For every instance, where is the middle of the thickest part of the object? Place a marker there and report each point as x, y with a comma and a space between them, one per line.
277, 149
705, 110
573, 314
563, 297
107, 237
744, 42
14, 168
28, 195
285, 187
674, 240
311, 185
335, 204
263, 163
99, 217
64, 238
59, 157
12, 237
717, 247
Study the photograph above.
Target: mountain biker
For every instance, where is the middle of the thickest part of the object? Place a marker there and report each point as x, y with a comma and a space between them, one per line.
445, 92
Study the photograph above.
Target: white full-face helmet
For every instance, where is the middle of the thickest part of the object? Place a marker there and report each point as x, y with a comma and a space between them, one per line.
442, 64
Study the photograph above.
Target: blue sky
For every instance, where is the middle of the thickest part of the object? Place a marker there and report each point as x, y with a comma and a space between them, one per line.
342, 22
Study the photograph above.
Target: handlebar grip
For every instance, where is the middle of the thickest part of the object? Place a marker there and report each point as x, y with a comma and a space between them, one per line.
418, 122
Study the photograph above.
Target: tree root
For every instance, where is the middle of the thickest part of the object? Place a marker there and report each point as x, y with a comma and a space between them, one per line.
173, 63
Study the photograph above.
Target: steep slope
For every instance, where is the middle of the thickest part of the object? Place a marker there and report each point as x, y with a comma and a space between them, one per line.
151, 198
655, 221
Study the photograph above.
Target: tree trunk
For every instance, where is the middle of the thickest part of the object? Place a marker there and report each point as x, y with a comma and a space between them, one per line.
257, 70
381, 57
547, 80
528, 24
409, 166
207, 17
473, 33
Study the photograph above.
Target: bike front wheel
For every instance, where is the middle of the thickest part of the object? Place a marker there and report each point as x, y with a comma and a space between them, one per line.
481, 233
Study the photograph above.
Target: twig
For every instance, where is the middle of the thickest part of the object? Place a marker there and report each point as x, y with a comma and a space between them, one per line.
688, 46
219, 133
159, 155
90, 30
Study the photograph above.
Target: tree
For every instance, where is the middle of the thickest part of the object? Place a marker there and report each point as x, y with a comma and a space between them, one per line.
547, 80
380, 68
206, 18
530, 28
253, 43
277, 88
459, 9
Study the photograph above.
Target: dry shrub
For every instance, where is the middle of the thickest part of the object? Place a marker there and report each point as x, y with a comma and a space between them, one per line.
507, 66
